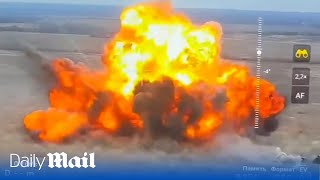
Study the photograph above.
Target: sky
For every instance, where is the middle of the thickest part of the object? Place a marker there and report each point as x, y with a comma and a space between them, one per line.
274, 5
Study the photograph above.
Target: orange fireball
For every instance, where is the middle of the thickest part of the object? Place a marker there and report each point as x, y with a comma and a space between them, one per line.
162, 73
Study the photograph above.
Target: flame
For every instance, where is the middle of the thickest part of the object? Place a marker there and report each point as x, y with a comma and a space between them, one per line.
154, 42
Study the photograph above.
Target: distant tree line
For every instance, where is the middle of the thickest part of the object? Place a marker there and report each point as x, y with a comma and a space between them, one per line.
51, 27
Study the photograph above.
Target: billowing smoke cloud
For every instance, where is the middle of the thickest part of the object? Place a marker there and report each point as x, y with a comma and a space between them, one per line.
154, 103
37, 65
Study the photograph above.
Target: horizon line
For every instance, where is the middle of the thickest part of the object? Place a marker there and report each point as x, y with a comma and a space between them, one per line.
123, 6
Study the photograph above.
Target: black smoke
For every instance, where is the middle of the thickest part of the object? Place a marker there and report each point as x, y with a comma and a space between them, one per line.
155, 102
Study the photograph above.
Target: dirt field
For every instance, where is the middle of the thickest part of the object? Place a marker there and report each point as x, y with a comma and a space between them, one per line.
22, 93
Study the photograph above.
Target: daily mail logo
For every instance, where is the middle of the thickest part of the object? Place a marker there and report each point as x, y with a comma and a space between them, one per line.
55, 160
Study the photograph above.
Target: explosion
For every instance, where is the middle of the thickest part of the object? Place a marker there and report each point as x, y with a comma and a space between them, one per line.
162, 76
